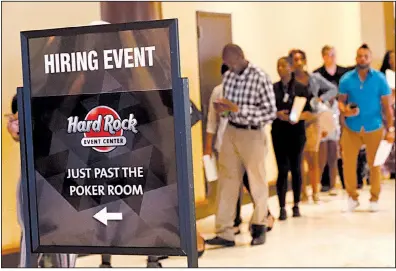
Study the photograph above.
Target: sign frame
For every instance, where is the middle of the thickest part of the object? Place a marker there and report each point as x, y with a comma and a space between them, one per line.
183, 149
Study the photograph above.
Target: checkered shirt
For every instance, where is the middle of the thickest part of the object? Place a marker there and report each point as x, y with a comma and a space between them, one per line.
253, 92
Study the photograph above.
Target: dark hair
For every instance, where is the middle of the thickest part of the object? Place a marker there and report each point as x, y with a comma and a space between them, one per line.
364, 46
326, 48
385, 63
14, 105
286, 58
224, 69
293, 52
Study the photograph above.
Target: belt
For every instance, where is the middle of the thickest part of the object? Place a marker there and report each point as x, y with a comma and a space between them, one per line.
246, 127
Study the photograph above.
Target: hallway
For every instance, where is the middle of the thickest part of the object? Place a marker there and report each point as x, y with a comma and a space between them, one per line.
323, 237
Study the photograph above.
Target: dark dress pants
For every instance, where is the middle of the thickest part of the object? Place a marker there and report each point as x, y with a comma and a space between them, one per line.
288, 153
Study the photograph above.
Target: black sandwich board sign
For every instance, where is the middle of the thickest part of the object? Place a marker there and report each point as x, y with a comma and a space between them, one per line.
106, 141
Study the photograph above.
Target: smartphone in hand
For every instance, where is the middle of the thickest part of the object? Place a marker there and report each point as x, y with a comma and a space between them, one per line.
352, 105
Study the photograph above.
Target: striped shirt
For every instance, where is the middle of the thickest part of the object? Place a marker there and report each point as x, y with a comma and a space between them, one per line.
252, 91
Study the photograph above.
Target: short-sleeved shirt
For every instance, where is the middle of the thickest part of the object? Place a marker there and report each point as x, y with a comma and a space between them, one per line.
213, 116
367, 95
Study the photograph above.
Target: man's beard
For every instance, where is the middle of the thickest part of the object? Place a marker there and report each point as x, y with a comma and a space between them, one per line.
363, 66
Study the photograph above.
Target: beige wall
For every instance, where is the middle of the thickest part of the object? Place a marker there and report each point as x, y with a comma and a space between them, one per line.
267, 31
373, 29
17, 17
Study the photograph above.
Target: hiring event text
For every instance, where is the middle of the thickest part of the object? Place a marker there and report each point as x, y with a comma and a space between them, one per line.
89, 61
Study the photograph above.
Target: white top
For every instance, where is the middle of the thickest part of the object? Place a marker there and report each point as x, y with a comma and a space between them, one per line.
213, 117
390, 77
334, 136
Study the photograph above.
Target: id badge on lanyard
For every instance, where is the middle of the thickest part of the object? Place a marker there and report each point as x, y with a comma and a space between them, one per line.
286, 98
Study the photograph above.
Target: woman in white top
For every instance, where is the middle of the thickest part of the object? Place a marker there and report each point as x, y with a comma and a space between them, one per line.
328, 149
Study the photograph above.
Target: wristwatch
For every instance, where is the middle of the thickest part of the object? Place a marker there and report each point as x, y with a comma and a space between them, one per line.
391, 129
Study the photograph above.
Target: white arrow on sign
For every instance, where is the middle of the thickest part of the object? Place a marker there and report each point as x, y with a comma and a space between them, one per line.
103, 216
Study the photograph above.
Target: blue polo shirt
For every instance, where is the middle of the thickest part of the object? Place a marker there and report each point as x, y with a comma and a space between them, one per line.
367, 95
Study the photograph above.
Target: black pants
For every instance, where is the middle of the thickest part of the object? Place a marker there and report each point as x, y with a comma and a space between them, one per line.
288, 153
361, 171
341, 172
326, 176
238, 219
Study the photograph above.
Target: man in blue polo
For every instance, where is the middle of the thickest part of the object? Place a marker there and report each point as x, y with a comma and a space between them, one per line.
364, 96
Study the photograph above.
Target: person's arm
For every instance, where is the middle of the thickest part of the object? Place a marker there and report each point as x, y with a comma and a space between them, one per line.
267, 98
387, 104
345, 110
306, 115
208, 144
224, 105
211, 125
331, 89
342, 103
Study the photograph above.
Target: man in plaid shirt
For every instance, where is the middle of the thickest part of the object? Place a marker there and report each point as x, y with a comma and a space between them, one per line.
249, 102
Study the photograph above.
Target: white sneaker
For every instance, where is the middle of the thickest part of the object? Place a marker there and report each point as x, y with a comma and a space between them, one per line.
374, 206
352, 205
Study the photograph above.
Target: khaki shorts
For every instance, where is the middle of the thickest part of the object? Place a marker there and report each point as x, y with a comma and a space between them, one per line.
312, 133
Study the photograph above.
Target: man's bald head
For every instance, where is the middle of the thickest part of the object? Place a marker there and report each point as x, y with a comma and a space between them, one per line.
234, 57
233, 49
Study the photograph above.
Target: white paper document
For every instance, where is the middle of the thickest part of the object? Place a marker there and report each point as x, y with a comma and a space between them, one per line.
298, 107
220, 133
390, 77
210, 168
383, 152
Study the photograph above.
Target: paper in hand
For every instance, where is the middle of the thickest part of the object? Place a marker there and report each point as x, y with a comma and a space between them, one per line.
390, 77
298, 106
383, 152
210, 168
